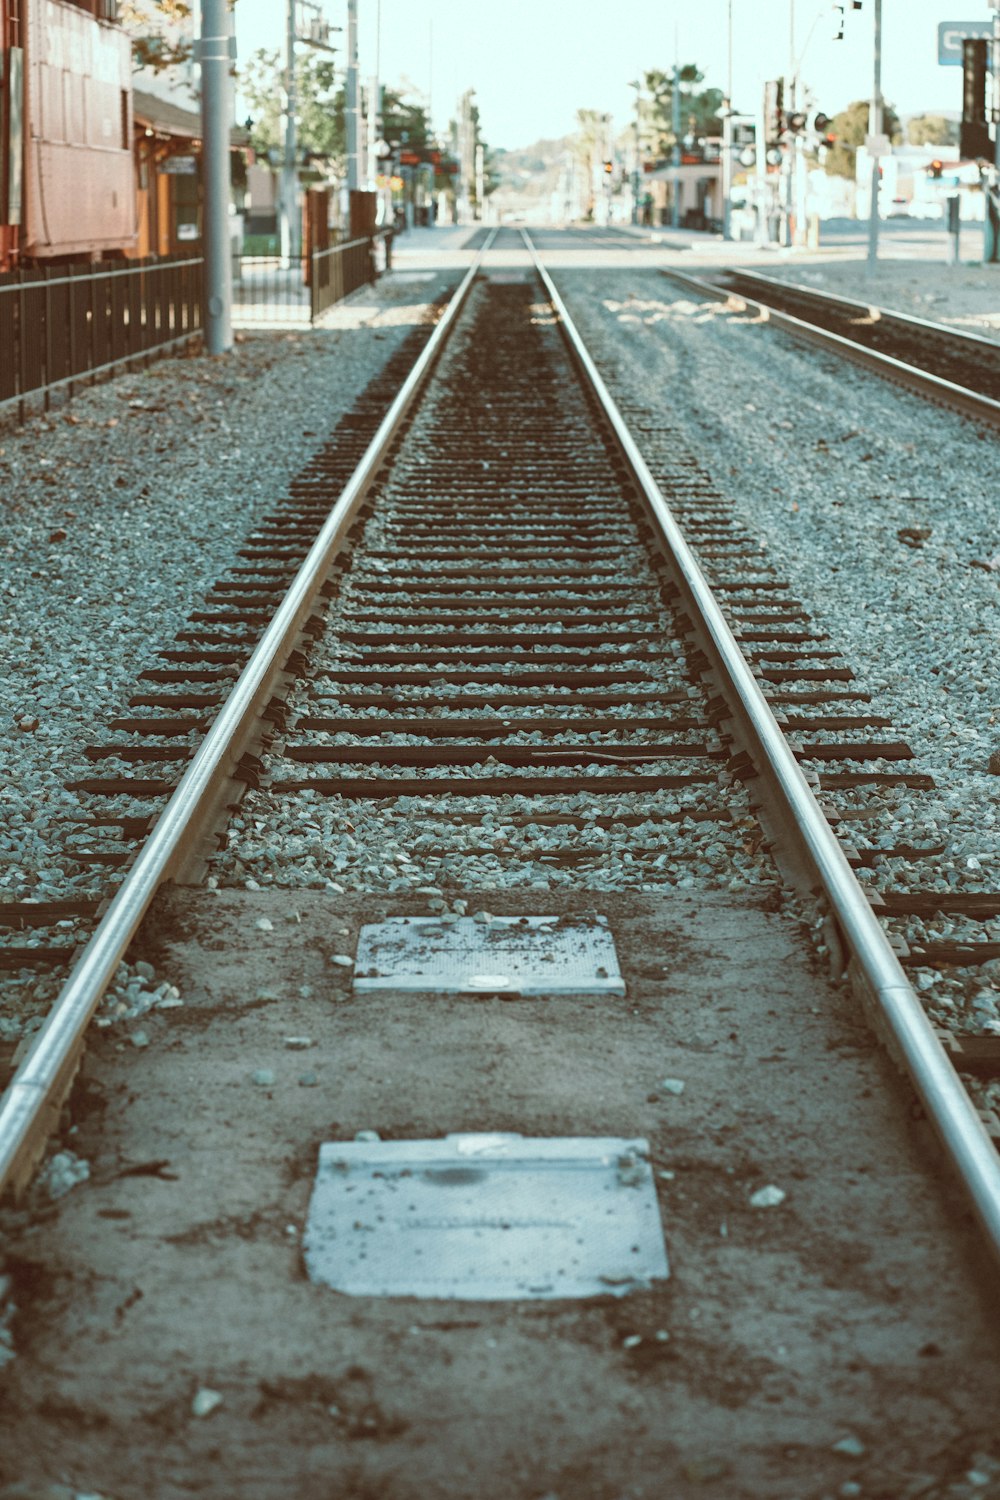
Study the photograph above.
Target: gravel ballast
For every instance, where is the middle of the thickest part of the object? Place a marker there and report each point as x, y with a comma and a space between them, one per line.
834, 470
303, 838
120, 509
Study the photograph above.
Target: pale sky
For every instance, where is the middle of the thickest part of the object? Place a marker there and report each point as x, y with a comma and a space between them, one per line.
533, 63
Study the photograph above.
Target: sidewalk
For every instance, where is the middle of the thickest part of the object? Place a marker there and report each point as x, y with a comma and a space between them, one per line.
441, 247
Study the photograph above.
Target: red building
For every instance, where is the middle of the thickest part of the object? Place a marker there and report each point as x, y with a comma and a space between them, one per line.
67, 184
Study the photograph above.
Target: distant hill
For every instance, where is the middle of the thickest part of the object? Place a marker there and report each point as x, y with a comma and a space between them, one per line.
531, 172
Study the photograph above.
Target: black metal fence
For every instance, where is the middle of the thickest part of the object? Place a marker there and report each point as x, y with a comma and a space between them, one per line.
337, 272
275, 290
270, 290
65, 324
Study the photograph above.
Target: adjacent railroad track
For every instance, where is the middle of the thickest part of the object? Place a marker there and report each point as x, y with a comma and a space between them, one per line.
499, 611
950, 366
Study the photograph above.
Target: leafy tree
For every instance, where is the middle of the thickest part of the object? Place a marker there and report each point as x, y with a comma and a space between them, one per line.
404, 123
849, 129
319, 110
161, 32
699, 108
932, 130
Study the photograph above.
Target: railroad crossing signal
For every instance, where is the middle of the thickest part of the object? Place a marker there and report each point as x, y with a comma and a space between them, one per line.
976, 141
774, 108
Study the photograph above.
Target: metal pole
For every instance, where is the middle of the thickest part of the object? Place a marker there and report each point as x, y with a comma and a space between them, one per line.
374, 116
637, 165
351, 101
788, 155
996, 82
760, 145
797, 163
289, 175
875, 128
676, 102
992, 223
727, 136
216, 61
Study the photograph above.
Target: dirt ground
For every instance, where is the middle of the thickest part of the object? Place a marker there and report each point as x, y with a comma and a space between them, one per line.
841, 1343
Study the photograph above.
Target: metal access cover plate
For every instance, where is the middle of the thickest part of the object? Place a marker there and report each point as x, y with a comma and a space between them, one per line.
505, 956
485, 1218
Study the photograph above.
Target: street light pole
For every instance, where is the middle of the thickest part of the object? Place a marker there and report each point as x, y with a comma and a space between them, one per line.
875, 117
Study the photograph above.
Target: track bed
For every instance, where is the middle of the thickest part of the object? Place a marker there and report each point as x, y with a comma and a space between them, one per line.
844, 1312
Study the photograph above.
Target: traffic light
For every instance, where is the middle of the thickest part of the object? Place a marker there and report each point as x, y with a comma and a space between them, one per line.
609, 167
840, 10
934, 170
795, 122
975, 137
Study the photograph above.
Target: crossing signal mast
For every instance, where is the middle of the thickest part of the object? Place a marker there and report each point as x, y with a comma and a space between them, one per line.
980, 137
976, 140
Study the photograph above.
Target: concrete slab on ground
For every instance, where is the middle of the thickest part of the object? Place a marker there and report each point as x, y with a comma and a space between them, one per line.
844, 1335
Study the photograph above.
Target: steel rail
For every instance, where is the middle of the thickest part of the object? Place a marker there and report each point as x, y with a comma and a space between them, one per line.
947, 392
38, 1087
875, 970
978, 342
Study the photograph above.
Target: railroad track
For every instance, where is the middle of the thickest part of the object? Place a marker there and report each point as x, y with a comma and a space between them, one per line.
950, 366
155, 734
521, 621
496, 673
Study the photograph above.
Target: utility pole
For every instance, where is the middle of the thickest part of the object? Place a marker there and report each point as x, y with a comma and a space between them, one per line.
466, 154
788, 155
430, 76
676, 124
993, 186
637, 164
374, 128
875, 116
760, 133
352, 99
289, 194
216, 56
996, 82
727, 135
